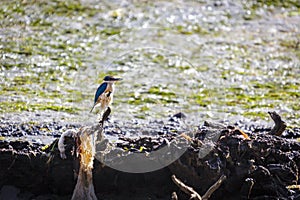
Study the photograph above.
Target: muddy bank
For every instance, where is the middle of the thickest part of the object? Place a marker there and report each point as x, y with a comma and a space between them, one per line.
257, 166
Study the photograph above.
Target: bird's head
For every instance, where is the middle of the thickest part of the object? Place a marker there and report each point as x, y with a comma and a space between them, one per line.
111, 78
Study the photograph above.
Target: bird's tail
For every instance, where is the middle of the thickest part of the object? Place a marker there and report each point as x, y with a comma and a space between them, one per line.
92, 108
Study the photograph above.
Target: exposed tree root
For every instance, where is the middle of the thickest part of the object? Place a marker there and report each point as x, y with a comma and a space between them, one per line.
213, 188
193, 194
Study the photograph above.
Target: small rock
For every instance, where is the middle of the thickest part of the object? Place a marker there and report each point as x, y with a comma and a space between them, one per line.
177, 116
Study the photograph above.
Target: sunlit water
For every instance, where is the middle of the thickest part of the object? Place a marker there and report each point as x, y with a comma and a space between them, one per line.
211, 60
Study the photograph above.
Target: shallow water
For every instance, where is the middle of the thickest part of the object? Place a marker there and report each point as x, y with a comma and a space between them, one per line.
213, 60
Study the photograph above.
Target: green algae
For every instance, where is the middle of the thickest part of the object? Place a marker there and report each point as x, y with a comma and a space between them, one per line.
270, 5
277, 3
19, 106
68, 8
63, 49
159, 91
292, 45
111, 31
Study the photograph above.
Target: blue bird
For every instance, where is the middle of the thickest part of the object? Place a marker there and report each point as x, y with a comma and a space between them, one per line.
104, 93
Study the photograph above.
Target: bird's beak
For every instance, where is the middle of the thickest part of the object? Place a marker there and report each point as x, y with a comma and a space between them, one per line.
117, 79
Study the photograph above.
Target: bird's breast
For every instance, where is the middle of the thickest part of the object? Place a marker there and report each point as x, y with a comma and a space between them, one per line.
105, 97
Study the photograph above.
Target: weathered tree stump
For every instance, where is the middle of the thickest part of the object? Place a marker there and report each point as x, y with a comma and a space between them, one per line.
86, 139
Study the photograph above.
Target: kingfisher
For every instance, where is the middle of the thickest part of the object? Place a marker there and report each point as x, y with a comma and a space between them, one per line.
104, 93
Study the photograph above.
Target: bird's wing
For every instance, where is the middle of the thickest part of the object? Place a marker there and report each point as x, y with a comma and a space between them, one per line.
101, 89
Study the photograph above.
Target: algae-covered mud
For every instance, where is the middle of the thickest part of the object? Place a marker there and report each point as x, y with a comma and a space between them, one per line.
209, 59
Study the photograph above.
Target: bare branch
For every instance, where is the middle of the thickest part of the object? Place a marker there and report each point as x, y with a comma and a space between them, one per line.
105, 115
188, 190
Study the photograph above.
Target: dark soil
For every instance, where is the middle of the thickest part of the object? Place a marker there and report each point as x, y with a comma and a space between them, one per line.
258, 167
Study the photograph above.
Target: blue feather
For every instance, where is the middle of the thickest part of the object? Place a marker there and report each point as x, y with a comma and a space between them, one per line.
101, 89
